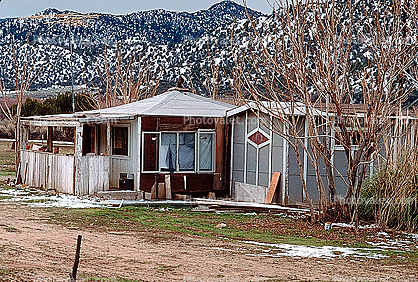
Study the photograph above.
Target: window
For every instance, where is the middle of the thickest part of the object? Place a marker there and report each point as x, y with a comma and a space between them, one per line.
120, 141
206, 144
168, 152
178, 151
89, 139
186, 159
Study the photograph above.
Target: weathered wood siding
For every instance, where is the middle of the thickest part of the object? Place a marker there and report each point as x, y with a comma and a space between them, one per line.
94, 174
120, 165
48, 171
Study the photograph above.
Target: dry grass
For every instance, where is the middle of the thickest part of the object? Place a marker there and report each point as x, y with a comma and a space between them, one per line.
390, 197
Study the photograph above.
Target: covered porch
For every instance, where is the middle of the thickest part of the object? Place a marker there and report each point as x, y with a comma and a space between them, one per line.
83, 170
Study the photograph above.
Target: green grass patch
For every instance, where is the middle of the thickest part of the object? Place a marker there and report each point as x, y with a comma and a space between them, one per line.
4, 271
12, 229
7, 159
265, 228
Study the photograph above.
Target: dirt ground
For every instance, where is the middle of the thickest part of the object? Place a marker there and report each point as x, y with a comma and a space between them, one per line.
33, 248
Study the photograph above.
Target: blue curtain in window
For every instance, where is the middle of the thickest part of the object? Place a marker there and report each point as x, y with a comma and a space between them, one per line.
168, 151
186, 151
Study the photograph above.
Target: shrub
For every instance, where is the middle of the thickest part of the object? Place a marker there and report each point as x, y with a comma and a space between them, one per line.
390, 197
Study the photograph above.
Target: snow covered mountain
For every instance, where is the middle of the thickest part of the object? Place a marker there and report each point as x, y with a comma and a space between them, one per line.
158, 34
172, 43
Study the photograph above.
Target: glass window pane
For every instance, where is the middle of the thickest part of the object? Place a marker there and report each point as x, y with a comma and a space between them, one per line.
168, 152
186, 151
206, 141
120, 141
150, 151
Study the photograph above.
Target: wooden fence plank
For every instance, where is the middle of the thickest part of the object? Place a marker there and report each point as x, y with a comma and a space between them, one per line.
273, 186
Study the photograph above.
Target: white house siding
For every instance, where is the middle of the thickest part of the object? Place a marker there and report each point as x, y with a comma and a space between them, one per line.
126, 164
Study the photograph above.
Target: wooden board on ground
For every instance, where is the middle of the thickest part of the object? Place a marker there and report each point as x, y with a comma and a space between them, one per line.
273, 186
154, 191
168, 187
220, 205
161, 191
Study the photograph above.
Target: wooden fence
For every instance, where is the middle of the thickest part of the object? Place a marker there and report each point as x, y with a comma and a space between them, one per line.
54, 171
48, 171
94, 174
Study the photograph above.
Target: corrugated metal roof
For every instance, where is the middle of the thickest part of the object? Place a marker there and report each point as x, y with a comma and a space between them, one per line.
172, 103
276, 108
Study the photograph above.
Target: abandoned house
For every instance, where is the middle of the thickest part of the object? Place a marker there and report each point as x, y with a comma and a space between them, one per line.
135, 147
197, 144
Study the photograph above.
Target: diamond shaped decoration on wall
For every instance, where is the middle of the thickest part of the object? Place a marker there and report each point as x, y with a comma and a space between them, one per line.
258, 138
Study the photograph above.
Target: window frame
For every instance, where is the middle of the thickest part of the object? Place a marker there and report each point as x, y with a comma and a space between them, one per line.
93, 145
128, 156
206, 131
196, 151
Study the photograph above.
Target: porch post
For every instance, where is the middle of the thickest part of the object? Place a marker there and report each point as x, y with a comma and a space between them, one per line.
138, 167
78, 151
49, 139
108, 140
25, 136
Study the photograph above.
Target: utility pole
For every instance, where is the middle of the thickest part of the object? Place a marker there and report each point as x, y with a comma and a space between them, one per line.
72, 20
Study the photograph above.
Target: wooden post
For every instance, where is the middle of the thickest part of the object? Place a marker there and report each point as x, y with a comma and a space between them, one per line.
154, 188
73, 275
139, 150
108, 139
168, 187
25, 137
49, 139
161, 191
78, 152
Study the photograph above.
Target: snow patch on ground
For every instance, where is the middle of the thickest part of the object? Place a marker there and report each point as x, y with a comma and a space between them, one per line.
403, 242
322, 252
302, 251
346, 225
45, 201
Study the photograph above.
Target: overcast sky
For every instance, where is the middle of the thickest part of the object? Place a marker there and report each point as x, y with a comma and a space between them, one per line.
22, 8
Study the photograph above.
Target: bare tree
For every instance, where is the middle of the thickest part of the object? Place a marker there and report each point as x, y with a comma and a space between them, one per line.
127, 78
303, 55
25, 74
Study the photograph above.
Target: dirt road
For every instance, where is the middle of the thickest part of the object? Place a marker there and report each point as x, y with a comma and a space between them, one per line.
33, 248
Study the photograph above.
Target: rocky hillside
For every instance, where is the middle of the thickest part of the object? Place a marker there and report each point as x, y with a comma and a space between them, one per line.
168, 40
172, 43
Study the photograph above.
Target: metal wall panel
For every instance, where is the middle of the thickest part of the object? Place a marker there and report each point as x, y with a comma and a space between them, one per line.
340, 163
238, 157
239, 129
252, 121
251, 164
263, 165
